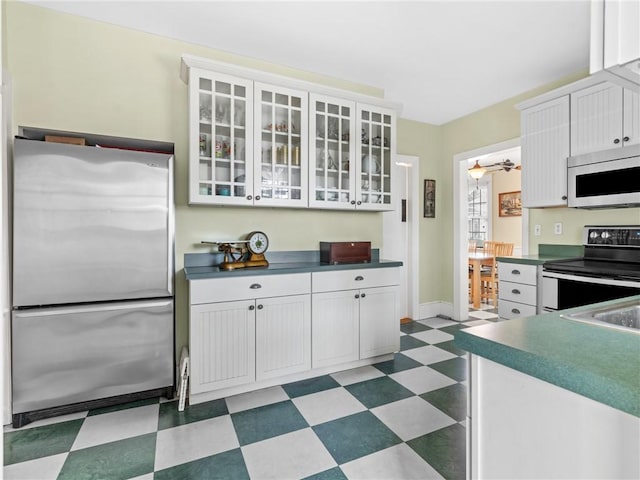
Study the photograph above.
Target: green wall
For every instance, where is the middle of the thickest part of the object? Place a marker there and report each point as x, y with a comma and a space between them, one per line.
70, 73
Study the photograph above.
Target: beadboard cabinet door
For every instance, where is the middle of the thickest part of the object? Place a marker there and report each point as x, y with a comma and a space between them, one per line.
335, 330
283, 336
545, 149
222, 345
596, 118
379, 321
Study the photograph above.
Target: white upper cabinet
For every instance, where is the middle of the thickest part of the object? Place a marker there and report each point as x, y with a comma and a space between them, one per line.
283, 144
374, 157
280, 156
332, 128
615, 36
220, 139
545, 148
603, 116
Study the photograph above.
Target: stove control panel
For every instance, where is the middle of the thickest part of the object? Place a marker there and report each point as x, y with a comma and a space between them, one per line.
618, 236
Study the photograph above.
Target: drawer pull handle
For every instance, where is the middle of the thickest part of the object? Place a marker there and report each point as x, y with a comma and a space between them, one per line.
359, 278
255, 286
357, 296
363, 295
251, 307
515, 291
515, 272
260, 307
515, 310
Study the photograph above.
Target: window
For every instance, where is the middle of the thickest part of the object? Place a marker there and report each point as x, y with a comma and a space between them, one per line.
478, 210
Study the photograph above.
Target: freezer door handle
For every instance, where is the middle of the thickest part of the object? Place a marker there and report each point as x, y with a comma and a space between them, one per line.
106, 307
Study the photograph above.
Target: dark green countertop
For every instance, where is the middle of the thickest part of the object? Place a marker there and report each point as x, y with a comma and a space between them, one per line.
198, 266
200, 272
598, 362
546, 252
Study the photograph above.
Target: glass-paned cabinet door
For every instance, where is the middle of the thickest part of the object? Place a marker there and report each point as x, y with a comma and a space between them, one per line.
377, 127
280, 146
221, 144
332, 128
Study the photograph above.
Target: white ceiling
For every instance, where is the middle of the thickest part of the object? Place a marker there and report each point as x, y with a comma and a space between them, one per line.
440, 59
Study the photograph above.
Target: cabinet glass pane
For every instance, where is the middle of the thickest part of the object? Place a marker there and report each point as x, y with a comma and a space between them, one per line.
332, 150
222, 138
280, 156
375, 158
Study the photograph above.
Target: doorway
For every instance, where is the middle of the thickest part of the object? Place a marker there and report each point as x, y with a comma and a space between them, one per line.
400, 238
491, 154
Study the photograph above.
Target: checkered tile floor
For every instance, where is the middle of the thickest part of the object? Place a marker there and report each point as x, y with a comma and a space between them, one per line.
399, 419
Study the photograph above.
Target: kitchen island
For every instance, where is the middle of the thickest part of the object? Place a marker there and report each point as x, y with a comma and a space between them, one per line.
551, 397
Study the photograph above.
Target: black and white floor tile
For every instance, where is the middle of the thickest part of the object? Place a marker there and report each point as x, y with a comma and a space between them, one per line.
399, 419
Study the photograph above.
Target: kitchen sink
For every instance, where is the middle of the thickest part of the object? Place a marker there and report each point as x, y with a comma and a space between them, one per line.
624, 316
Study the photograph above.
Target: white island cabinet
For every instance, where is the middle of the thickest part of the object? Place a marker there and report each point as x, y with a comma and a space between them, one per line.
521, 427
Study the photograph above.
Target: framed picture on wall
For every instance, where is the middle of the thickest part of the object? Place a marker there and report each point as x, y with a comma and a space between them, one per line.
429, 198
510, 204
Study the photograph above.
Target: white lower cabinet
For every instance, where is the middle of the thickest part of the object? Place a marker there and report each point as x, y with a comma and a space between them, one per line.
518, 289
354, 323
222, 345
249, 339
283, 336
250, 332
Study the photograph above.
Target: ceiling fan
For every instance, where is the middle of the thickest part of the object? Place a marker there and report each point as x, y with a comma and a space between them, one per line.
477, 171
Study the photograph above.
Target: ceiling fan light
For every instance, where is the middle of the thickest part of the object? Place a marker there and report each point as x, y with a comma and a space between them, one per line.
476, 172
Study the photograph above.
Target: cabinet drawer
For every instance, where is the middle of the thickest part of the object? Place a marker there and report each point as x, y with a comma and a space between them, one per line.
511, 310
516, 272
354, 279
227, 289
517, 292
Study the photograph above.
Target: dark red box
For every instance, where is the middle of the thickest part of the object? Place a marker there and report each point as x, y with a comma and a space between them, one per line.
345, 252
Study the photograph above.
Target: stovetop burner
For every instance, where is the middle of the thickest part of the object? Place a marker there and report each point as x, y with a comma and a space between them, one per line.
611, 252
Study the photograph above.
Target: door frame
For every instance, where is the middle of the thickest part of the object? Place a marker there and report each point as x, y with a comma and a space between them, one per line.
461, 225
400, 239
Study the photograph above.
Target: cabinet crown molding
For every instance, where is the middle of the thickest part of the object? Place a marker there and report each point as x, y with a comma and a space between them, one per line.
595, 79
188, 61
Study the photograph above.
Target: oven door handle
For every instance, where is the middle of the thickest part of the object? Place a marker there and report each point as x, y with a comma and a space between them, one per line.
589, 279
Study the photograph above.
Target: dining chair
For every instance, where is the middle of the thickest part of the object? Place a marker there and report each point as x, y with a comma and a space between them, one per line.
489, 276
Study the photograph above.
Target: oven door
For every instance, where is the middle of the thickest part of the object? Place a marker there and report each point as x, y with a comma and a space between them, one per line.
561, 291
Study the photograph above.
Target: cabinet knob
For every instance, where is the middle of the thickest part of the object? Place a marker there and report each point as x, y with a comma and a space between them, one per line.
515, 272
353, 202
616, 141
257, 197
515, 291
251, 307
363, 295
249, 197
359, 278
260, 307
357, 296
625, 139
564, 197
255, 286
515, 310
359, 202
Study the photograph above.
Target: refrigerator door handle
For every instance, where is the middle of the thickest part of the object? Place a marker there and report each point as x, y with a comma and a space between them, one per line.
170, 228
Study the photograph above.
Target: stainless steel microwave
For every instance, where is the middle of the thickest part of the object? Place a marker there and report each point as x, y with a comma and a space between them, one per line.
605, 179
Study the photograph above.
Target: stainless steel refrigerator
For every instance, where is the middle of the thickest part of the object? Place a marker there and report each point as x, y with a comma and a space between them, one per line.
93, 316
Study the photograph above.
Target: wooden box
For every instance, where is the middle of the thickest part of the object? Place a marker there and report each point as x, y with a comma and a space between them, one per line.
345, 252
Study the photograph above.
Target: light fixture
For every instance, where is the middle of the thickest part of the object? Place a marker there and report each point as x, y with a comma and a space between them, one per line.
476, 172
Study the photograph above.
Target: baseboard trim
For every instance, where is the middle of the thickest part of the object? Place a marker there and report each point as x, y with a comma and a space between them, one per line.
433, 309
